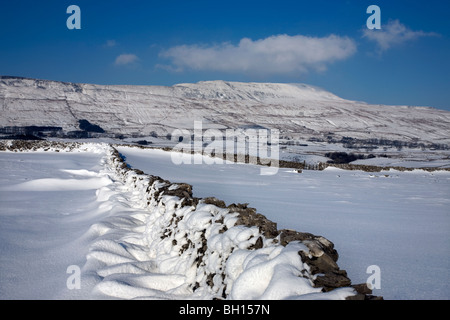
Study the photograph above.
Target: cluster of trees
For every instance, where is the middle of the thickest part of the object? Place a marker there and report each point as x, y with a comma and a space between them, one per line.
29, 132
87, 129
85, 125
373, 143
344, 157
40, 132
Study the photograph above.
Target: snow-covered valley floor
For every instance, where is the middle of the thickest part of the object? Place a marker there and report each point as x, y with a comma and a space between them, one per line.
60, 210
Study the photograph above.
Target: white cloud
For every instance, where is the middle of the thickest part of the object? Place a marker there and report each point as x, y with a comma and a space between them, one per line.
393, 33
280, 54
126, 58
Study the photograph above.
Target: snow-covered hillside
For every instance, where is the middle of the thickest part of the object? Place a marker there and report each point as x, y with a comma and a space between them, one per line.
297, 110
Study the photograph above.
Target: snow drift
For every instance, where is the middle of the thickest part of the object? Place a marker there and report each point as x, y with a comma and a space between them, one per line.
160, 242
198, 248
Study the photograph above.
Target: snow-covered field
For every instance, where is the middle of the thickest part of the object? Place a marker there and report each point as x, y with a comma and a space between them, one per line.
399, 221
48, 203
63, 212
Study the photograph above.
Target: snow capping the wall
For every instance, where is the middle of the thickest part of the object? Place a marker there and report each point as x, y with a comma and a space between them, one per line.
160, 242
203, 249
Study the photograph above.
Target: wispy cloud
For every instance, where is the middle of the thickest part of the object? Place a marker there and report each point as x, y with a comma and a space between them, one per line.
126, 59
279, 54
110, 43
394, 33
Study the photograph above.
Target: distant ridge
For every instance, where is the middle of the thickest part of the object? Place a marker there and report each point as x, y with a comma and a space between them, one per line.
299, 111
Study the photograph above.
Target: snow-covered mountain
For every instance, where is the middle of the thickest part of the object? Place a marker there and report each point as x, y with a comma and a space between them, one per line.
297, 110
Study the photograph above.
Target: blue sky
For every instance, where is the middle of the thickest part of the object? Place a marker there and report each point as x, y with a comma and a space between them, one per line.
323, 43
